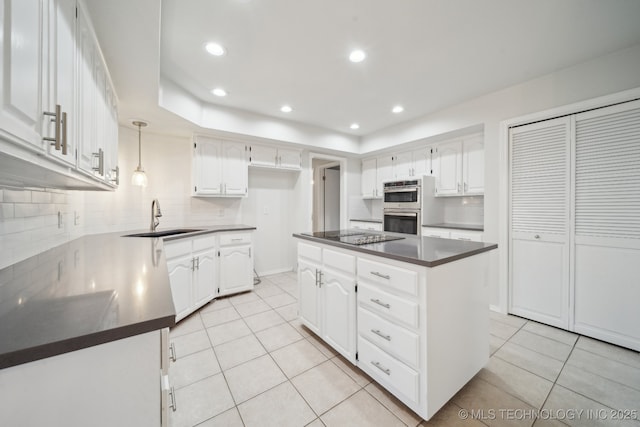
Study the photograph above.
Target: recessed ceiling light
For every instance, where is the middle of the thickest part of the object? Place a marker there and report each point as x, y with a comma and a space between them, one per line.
219, 92
397, 109
357, 56
286, 109
354, 126
214, 49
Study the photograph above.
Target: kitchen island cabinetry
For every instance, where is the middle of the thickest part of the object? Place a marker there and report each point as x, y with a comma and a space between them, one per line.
327, 296
421, 311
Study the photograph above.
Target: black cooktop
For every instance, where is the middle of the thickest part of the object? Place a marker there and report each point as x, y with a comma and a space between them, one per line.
353, 237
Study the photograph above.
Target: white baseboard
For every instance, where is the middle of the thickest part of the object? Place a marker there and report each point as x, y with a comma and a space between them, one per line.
276, 271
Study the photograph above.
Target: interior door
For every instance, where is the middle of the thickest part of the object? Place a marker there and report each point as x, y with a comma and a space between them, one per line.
540, 206
331, 193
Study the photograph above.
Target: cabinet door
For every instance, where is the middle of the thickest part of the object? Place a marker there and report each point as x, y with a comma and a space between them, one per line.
384, 172
207, 171
260, 155
309, 304
111, 138
234, 169
368, 183
21, 53
539, 282
289, 159
403, 165
236, 269
422, 162
62, 76
449, 158
180, 276
339, 317
87, 132
473, 164
204, 277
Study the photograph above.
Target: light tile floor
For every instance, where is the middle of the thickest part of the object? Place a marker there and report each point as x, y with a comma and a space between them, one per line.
245, 360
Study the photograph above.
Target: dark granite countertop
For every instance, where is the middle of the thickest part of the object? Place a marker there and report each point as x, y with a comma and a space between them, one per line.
454, 226
425, 251
377, 221
89, 291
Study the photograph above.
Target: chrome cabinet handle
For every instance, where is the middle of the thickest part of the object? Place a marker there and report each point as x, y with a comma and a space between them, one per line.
464, 238
172, 352
537, 236
382, 368
116, 172
458, 187
237, 240
193, 264
377, 301
100, 167
317, 271
384, 276
466, 187
197, 263
64, 133
172, 396
57, 119
319, 278
380, 334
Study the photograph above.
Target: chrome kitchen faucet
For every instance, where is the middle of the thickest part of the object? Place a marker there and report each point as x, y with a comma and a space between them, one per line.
155, 214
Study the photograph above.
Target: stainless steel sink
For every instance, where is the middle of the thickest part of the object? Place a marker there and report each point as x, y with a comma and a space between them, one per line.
163, 233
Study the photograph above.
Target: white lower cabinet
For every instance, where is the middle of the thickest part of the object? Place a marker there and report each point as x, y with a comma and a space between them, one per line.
118, 383
327, 296
421, 333
236, 263
207, 266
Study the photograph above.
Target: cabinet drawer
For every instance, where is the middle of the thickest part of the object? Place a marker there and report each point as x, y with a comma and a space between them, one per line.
388, 370
204, 242
177, 248
339, 261
311, 252
392, 338
382, 302
474, 236
436, 232
235, 239
387, 275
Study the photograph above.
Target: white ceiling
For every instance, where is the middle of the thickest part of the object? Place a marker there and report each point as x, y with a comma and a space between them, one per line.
423, 54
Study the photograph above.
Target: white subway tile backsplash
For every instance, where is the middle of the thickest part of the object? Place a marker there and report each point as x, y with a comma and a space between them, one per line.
40, 197
6, 211
17, 196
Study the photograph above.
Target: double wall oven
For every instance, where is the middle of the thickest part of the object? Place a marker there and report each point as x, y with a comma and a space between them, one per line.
402, 206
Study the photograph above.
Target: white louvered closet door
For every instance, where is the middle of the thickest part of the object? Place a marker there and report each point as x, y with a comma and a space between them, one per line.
540, 205
607, 224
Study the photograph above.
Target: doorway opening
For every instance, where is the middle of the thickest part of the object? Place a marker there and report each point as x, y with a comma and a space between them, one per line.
328, 192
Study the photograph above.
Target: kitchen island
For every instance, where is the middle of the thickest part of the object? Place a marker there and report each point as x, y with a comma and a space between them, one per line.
412, 312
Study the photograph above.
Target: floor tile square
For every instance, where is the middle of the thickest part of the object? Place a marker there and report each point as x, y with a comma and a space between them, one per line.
278, 336
238, 351
279, 300
324, 386
282, 406
605, 367
252, 307
562, 400
243, 298
501, 330
396, 407
187, 325
253, 377
298, 357
302, 330
324, 348
626, 356
230, 418
600, 389
261, 321
218, 317
216, 304
508, 319
354, 372
565, 337
265, 290
539, 364
288, 312
228, 332
194, 367
543, 345
205, 399
190, 343
522, 384
360, 410
495, 343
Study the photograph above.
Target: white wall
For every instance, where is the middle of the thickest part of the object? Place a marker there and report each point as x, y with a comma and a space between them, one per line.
605, 75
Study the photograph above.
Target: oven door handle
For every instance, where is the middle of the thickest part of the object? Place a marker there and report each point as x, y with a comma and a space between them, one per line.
401, 190
411, 214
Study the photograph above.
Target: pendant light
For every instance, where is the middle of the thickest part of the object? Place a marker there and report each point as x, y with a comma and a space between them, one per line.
139, 178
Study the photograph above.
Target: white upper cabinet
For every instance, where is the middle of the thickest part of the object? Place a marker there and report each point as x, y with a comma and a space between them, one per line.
384, 172
275, 157
59, 88
219, 168
58, 114
368, 181
20, 87
449, 170
412, 163
459, 167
